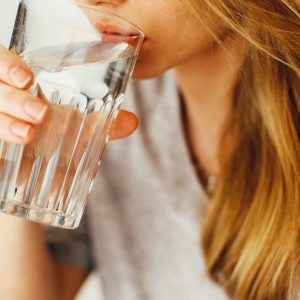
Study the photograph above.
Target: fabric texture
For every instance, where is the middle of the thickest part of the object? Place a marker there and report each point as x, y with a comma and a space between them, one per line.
141, 229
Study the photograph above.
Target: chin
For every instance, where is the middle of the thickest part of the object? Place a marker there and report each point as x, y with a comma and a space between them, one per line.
147, 70
150, 62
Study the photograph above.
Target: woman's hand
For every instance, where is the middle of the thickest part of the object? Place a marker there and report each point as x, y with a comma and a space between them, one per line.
125, 125
21, 113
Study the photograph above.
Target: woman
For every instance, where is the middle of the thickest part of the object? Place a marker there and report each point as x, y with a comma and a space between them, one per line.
236, 67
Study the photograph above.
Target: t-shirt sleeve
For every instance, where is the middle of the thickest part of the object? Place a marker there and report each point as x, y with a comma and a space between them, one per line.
72, 247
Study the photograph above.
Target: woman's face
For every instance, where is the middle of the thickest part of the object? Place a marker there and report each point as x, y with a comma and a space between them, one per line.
173, 34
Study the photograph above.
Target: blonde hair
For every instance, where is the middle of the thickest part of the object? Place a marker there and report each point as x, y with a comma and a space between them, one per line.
251, 238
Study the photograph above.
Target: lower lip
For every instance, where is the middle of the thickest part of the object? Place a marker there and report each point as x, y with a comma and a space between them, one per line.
113, 34
115, 38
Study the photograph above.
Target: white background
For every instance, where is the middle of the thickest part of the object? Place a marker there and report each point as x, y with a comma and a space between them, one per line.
8, 9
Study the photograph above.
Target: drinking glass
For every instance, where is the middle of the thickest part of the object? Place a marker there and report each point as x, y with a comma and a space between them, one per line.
82, 58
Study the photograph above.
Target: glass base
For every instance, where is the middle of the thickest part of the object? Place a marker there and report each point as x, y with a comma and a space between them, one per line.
36, 214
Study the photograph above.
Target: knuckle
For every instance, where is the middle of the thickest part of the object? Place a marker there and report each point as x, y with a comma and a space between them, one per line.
6, 89
7, 59
7, 96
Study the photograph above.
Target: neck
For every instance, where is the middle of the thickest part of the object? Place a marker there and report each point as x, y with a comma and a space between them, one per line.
207, 83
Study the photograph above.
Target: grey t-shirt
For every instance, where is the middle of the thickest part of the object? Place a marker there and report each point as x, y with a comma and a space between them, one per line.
141, 229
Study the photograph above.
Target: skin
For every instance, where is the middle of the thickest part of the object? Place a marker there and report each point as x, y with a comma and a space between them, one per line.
176, 39
205, 78
166, 29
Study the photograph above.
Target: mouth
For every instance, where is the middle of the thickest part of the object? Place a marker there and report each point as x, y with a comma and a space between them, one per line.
114, 34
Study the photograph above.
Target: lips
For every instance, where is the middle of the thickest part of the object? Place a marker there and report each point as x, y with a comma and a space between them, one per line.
114, 34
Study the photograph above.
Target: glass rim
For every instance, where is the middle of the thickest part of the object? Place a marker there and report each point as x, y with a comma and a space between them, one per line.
138, 34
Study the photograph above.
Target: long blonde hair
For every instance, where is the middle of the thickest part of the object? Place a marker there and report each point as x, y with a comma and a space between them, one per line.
251, 236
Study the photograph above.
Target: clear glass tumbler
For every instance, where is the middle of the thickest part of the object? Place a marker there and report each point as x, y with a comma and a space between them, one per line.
82, 58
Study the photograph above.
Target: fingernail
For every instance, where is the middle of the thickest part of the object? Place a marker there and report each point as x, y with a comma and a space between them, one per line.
20, 130
35, 109
19, 76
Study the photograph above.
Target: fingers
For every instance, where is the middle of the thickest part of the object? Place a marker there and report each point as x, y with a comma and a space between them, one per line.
14, 131
125, 125
19, 110
13, 70
22, 105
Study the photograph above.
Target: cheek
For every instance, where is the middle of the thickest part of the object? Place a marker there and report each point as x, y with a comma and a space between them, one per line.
172, 39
